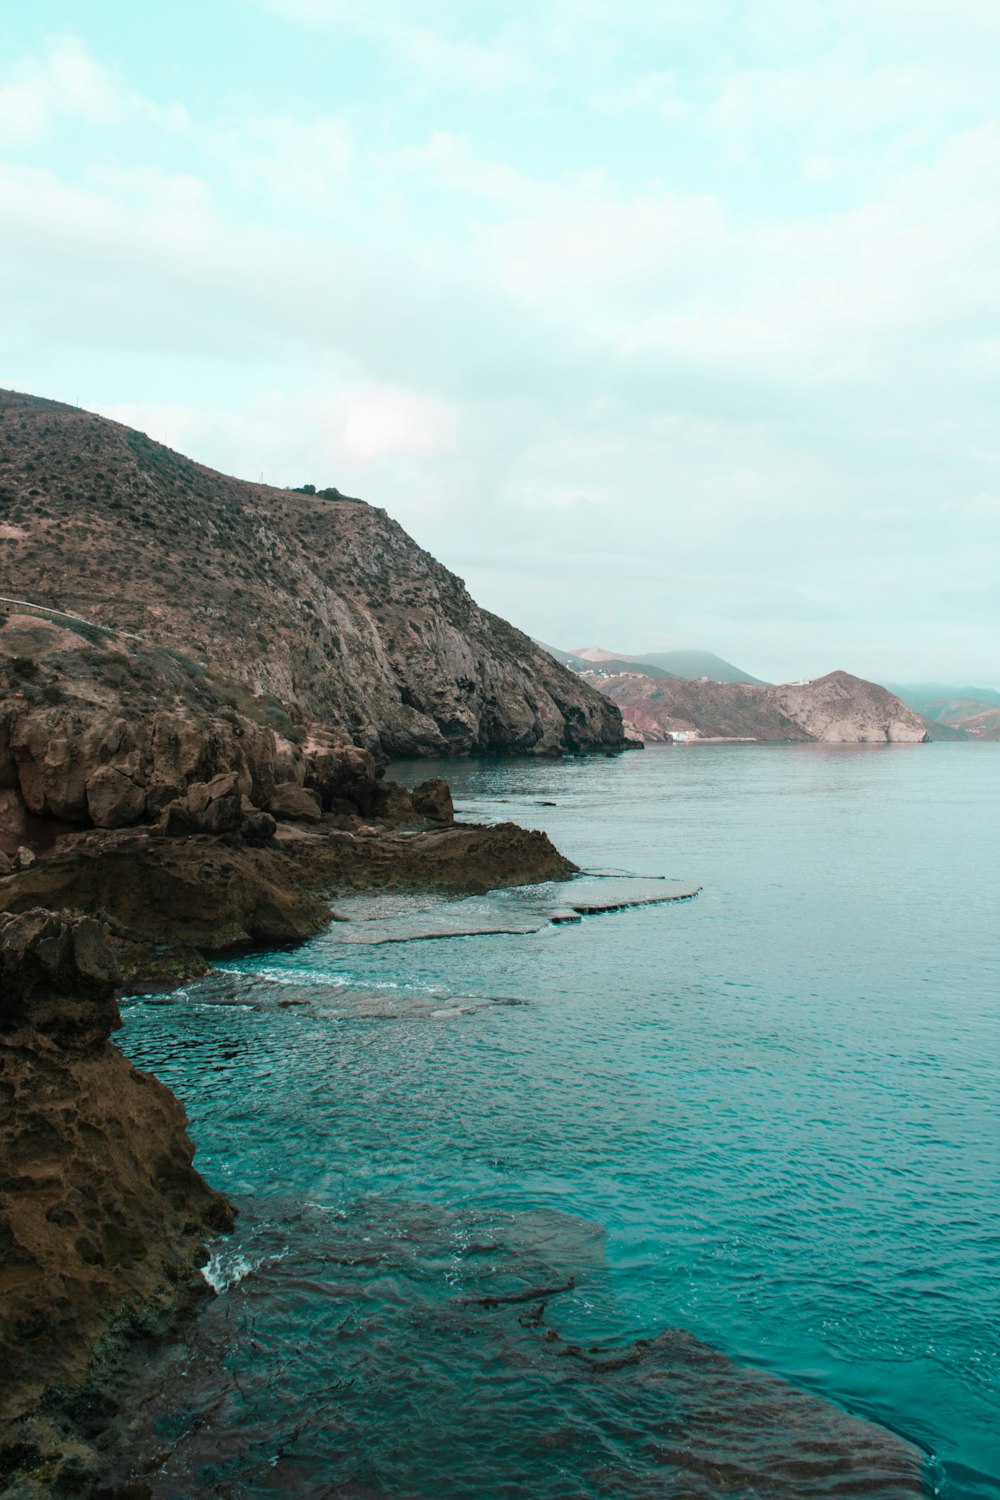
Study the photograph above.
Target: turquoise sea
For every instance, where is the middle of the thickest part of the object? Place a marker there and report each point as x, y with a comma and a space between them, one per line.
673, 1201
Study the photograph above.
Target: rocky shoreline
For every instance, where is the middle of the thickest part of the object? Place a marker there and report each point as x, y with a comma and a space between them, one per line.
133, 847
103, 1219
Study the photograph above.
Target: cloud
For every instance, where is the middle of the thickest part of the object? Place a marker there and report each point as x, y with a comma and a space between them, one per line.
67, 83
434, 55
624, 398
301, 164
386, 419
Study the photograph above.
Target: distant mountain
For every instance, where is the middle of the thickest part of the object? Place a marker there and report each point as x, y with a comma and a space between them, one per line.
566, 658
928, 692
959, 711
695, 664
687, 665
602, 661
835, 709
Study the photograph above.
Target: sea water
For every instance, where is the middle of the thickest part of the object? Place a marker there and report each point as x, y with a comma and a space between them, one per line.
528, 1214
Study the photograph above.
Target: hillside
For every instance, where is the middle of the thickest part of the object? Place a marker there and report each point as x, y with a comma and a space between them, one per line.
837, 708
955, 712
605, 660
322, 601
689, 665
694, 664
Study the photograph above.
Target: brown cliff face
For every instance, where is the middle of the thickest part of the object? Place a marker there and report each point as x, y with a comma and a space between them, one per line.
836, 709
163, 800
108, 734
102, 1216
325, 603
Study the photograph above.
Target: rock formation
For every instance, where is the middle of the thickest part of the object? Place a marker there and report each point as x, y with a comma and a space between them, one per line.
320, 600
112, 734
169, 806
102, 1216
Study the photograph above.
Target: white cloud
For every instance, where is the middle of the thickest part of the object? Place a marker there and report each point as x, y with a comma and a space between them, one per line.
24, 113
67, 83
293, 161
387, 419
442, 54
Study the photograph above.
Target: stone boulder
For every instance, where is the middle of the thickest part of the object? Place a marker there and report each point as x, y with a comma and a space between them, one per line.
391, 803
114, 800
214, 806
295, 802
432, 799
344, 777
13, 818
258, 827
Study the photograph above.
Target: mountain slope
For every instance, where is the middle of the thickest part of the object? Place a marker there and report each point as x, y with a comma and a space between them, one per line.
690, 665
324, 602
694, 664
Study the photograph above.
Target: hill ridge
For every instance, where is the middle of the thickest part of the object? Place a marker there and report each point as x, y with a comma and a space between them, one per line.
326, 603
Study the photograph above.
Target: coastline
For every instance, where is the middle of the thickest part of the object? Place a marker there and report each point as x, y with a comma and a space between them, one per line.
68, 1429
102, 1249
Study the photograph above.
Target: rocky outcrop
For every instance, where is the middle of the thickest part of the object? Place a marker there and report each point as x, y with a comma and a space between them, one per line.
432, 799
320, 600
171, 900
79, 764
103, 1218
296, 803
77, 752
836, 709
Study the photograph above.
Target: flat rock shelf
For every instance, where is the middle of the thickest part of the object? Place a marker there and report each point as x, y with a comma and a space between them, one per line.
515, 912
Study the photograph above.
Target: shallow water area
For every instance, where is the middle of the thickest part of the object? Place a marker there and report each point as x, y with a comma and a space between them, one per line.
766, 1117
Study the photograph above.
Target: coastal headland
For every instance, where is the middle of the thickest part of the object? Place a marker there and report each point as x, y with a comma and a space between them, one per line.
201, 681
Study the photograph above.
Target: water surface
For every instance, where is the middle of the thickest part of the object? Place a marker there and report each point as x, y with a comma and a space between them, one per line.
767, 1117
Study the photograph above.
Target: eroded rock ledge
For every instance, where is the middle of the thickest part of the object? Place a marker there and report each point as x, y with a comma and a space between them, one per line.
103, 1218
168, 901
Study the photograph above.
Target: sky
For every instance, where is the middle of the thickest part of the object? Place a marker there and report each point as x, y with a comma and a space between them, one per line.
661, 324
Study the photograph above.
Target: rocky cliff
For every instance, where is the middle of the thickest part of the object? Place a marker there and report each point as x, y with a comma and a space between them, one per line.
838, 709
191, 816
103, 1218
320, 600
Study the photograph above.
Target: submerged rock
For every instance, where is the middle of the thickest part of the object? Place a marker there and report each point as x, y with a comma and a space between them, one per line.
481, 1363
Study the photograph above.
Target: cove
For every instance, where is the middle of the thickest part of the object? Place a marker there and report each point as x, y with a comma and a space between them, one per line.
530, 1213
